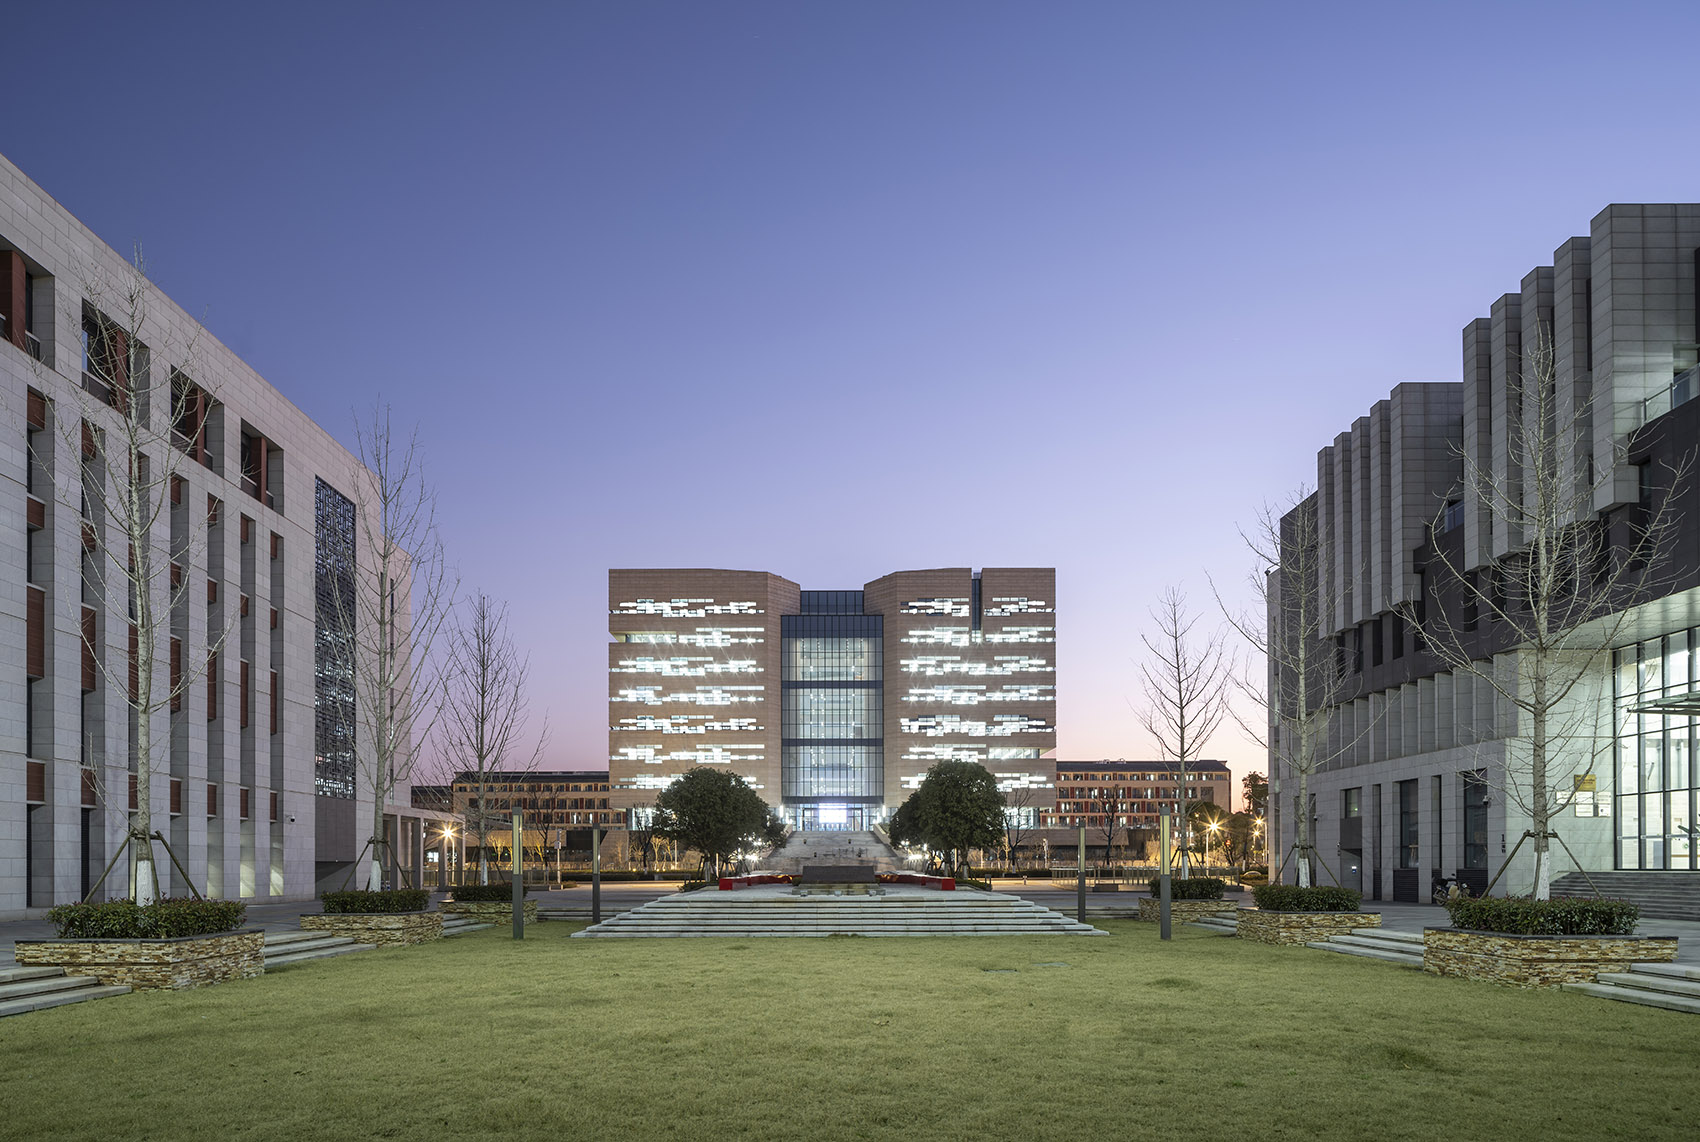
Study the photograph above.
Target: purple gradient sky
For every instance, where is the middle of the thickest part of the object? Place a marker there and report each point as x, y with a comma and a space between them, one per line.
833, 290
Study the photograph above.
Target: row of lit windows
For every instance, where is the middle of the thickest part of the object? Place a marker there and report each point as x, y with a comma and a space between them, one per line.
706, 755
937, 665
686, 608
954, 725
703, 636
952, 607
1017, 605
1023, 634
682, 667
976, 695
701, 696
686, 724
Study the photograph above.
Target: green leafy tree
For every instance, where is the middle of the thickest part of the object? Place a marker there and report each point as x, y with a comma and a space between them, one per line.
957, 808
715, 813
1254, 792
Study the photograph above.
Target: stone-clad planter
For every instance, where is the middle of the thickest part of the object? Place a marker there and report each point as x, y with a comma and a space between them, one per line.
1300, 928
385, 929
1537, 961
153, 965
1183, 911
489, 911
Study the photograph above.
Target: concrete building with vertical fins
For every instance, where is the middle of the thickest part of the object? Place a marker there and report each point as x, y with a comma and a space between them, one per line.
1416, 785
254, 771
832, 704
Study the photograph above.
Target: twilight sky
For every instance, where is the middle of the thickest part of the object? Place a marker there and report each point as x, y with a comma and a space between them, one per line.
838, 289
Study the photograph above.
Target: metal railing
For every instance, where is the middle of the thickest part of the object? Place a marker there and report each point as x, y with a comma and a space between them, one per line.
1681, 390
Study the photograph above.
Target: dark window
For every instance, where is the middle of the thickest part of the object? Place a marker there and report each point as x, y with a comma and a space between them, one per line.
1475, 821
1375, 642
1398, 635
1408, 841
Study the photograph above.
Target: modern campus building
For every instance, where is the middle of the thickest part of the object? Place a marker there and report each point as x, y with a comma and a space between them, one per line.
832, 704
256, 760
1414, 782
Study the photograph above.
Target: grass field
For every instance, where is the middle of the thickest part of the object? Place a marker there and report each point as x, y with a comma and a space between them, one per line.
1020, 1038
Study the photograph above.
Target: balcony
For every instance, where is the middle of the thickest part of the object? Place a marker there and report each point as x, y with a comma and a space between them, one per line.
1683, 388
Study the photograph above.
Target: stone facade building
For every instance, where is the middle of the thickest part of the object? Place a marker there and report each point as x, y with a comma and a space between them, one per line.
832, 704
255, 761
1415, 783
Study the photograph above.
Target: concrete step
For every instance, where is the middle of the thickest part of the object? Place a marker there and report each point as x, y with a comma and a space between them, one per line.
1353, 940
293, 957
1369, 953
1391, 934
304, 942
44, 986
14, 975
89, 988
1688, 988
1670, 971
1638, 995
461, 927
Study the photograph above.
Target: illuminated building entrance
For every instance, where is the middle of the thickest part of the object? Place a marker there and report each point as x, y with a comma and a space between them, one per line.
832, 750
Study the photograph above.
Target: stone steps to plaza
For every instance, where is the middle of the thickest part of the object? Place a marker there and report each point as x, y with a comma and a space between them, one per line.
1223, 923
1674, 987
1376, 944
294, 947
33, 989
777, 912
1668, 895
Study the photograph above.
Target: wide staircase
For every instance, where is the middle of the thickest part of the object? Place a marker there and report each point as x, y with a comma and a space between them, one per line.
32, 989
1675, 987
897, 911
1660, 895
1376, 944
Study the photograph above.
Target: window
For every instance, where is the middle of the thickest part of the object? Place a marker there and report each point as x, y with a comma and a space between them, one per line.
1453, 516
1475, 817
1397, 621
1408, 839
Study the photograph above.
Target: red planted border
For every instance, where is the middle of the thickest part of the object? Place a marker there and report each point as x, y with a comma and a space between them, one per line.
946, 883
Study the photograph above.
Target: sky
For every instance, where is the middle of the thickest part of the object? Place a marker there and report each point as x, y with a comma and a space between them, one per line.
837, 289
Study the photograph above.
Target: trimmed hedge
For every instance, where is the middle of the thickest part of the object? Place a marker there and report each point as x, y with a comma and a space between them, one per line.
1190, 888
1292, 898
164, 919
611, 876
365, 900
487, 893
1565, 916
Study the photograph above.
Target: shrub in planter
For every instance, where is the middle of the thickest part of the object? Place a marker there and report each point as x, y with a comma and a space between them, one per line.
164, 919
365, 900
693, 885
1521, 915
1292, 898
1190, 888
487, 893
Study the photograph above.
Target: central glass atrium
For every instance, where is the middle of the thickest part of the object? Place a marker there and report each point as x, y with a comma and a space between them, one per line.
832, 759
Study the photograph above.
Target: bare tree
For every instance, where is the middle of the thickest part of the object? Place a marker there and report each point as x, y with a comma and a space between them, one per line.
137, 421
485, 709
1303, 680
1115, 804
390, 619
1185, 684
1020, 816
1538, 624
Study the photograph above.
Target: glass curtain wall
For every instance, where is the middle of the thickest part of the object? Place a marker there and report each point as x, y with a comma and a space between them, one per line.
1654, 793
832, 758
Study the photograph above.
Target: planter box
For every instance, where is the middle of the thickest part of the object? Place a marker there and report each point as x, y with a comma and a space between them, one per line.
153, 965
490, 911
385, 929
1537, 961
1183, 911
1300, 928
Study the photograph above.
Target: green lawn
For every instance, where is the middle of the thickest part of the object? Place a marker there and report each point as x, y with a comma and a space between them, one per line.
1021, 1038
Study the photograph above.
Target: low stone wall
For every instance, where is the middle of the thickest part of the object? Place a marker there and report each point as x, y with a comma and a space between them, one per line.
490, 911
385, 929
1183, 911
1299, 928
1537, 961
153, 965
